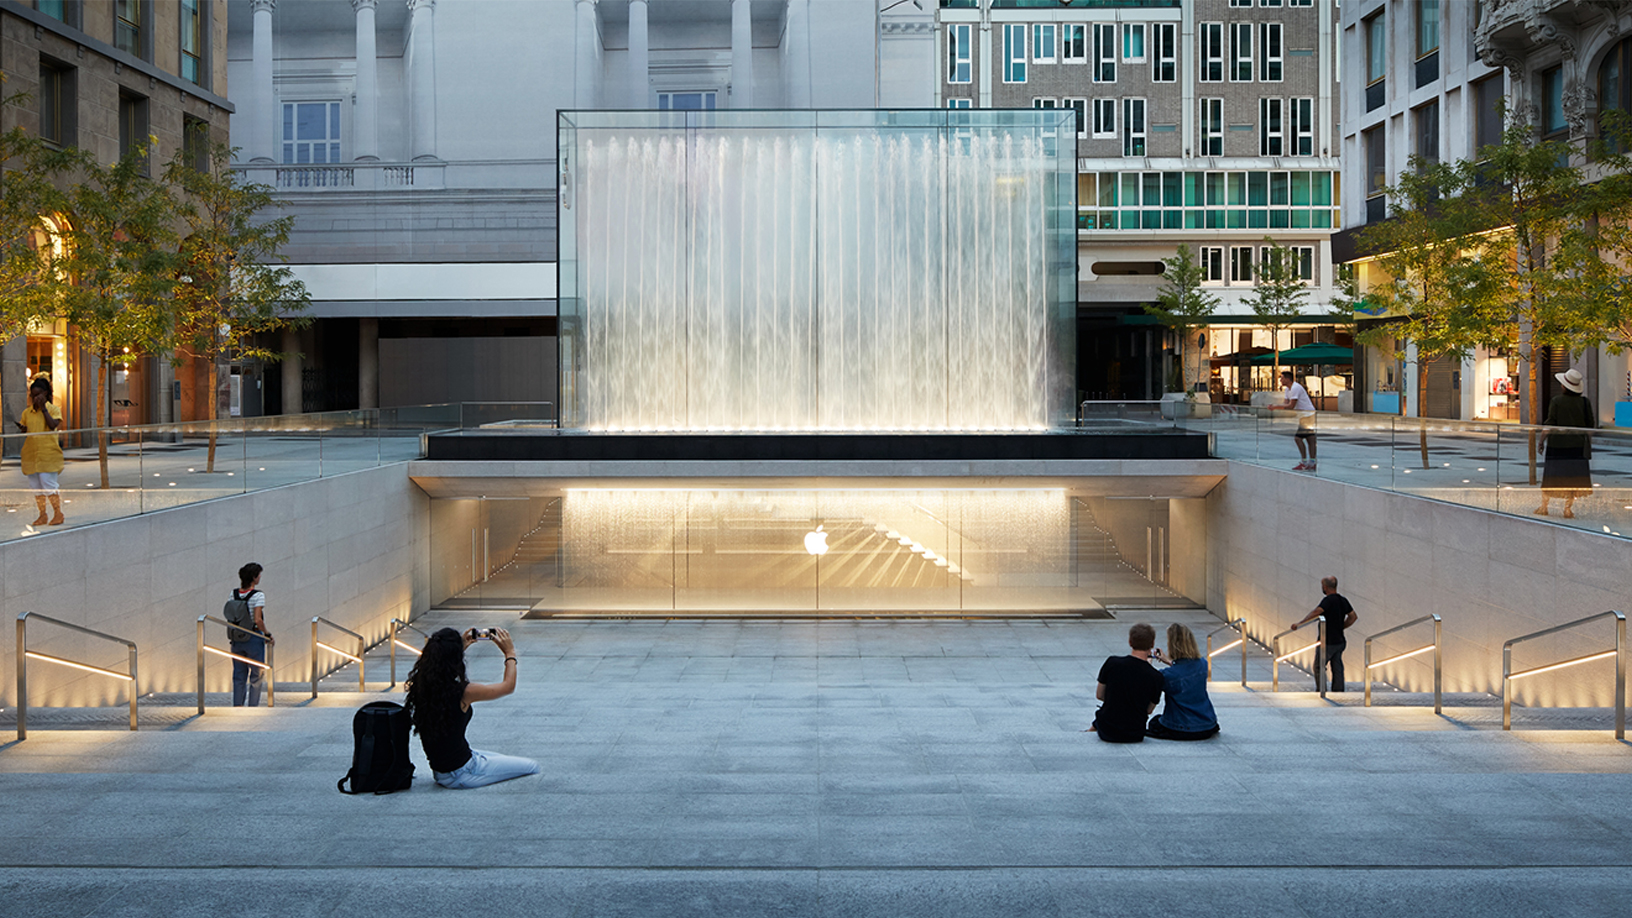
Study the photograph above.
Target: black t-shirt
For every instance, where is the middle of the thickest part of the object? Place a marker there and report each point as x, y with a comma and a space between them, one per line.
1335, 609
448, 751
1131, 687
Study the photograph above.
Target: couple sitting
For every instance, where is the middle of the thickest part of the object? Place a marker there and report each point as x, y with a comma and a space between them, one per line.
1130, 687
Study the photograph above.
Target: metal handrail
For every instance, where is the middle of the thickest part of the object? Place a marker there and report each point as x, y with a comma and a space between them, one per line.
1319, 647
271, 686
397, 623
1239, 626
1438, 647
23, 654
1508, 675
362, 648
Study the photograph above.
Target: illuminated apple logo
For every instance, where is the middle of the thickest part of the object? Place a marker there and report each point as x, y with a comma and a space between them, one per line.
816, 541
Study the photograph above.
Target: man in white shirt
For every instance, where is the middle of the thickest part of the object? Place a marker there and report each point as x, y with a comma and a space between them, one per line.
1297, 399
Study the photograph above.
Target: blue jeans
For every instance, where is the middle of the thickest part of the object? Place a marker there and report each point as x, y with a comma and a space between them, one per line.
486, 768
246, 679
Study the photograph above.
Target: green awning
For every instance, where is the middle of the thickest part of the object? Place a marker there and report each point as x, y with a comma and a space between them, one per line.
1310, 354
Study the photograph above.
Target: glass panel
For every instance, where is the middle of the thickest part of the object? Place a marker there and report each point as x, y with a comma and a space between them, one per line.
1277, 189
1107, 189
1323, 188
1172, 189
1300, 189
311, 121
1237, 187
1257, 188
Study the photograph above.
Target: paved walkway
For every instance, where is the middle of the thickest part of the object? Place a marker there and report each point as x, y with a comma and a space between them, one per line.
827, 769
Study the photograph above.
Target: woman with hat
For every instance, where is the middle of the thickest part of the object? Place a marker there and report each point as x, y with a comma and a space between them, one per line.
1568, 473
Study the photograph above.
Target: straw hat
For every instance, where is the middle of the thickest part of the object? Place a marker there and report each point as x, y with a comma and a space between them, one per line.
1571, 379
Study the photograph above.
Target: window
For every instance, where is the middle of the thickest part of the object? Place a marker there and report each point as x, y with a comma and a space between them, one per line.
1376, 165
1240, 2
132, 124
1256, 200
1271, 127
1080, 106
1074, 44
1303, 127
1427, 27
1212, 127
1212, 52
1302, 258
192, 41
1427, 128
959, 54
57, 108
127, 26
311, 132
1133, 43
1552, 103
1269, 2
195, 142
1166, 39
702, 101
1014, 53
1241, 264
1044, 103
56, 9
1270, 64
958, 103
1042, 44
1487, 111
1133, 127
1241, 52
1212, 264
1104, 117
1104, 53
1300, 2
1376, 48
1615, 83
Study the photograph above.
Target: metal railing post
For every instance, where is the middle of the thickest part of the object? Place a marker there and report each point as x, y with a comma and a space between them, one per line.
1437, 647
23, 653
1620, 677
201, 665
22, 677
1507, 686
1439, 667
1239, 626
1619, 653
135, 690
1320, 657
362, 648
314, 659
393, 652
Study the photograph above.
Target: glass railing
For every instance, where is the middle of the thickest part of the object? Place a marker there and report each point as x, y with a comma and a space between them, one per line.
158, 466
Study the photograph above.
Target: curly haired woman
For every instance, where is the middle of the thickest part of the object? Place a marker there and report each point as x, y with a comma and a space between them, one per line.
439, 703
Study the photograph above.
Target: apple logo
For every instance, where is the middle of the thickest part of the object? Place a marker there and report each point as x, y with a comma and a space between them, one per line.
816, 541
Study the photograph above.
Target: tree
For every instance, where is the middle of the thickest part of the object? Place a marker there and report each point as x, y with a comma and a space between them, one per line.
27, 191
1184, 306
114, 274
1279, 295
233, 286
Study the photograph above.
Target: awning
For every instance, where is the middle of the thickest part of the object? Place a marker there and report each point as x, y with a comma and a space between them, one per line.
1310, 354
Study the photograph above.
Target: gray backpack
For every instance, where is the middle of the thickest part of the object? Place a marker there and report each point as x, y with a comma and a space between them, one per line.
238, 612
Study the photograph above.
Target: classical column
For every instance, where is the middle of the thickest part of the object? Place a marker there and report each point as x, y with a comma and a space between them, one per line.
263, 123
742, 56
798, 54
365, 142
640, 56
587, 44
422, 78
368, 363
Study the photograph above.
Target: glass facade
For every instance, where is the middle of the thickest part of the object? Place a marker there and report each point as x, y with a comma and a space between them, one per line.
1208, 200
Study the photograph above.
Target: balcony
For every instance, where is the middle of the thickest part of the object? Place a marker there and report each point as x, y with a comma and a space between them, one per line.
347, 177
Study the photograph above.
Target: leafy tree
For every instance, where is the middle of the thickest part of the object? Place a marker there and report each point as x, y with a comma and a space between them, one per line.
233, 285
27, 193
1184, 306
1279, 295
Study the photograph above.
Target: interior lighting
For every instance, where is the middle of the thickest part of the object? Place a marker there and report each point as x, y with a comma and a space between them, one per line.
337, 650
1402, 656
1547, 669
1234, 643
895, 536
81, 666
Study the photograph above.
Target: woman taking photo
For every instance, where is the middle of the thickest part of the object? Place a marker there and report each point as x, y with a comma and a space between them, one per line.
1188, 712
439, 704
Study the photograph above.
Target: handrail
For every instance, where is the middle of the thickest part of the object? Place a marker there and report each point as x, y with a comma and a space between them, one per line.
23, 655
397, 623
271, 685
1319, 647
1508, 675
1438, 647
1239, 626
362, 648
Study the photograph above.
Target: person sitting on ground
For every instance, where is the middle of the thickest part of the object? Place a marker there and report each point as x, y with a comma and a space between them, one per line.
1187, 713
1130, 688
439, 704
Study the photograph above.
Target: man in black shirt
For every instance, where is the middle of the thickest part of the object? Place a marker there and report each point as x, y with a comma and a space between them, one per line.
1339, 615
1130, 688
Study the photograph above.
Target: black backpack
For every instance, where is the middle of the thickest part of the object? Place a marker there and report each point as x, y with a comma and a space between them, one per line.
237, 612
379, 761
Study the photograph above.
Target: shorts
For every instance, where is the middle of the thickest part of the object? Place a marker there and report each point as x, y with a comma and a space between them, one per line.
44, 482
1306, 425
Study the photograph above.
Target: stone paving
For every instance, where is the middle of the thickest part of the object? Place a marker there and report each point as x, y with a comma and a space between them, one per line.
831, 768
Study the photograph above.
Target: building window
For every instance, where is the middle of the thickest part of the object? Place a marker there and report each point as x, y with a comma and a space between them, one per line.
1487, 111
1302, 259
1269, 2
1427, 127
1074, 43
311, 132
1133, 43
1042, 44
1212, 127
958, 103
60, 10
1303, 127
132, 125
1271, 63
1240, 2
1241, 52
1133, 127
1615, 83
1376, 48
1014, 53
1040, 102
958, 54
1237, 200
195, 142
1080, 106
192, 40
1212, 52
1166, 39
1427, 27
1241, 264
1552, 103
1104, 53
1376, 163
57, 104
1104, 117
1271, 127
703, 101
1212, 264
1300, 2
127, 26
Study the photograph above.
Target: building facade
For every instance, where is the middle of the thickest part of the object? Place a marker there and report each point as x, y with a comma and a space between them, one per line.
423, 182
1204, 123
104, 77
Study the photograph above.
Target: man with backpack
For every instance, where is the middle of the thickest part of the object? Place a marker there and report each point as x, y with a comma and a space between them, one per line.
247, 610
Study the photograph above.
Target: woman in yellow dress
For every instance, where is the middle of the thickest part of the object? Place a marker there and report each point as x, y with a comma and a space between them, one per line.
42, 453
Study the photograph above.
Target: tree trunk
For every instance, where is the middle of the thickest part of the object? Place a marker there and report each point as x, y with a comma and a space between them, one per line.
101, 416
1422, 418
209, 414
1532, 387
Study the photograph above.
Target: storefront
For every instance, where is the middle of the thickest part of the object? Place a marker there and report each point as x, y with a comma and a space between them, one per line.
1241, 361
